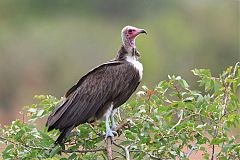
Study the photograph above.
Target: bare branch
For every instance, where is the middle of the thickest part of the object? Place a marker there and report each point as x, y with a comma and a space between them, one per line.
119, 114
126, 150
213, 149
50, 149
149, 154
119, 153
109, 148
190, 152
179, 121
84, 151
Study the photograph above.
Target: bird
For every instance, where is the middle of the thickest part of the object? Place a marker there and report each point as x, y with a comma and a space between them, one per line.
99, 93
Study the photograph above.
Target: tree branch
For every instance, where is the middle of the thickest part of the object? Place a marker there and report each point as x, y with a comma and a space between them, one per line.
119, 153
213, 150
50, 149
179, 121
108, 144
109, 148
126, 150
190, 152
149, 154
84, 151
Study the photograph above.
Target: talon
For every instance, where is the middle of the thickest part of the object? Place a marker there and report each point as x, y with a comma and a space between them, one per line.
115, 133
109, 134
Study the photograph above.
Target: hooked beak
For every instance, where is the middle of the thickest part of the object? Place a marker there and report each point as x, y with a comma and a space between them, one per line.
142, 31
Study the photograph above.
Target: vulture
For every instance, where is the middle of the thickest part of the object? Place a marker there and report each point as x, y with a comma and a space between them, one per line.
101, 91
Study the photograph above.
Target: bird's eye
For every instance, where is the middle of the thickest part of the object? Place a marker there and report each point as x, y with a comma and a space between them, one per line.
130, 31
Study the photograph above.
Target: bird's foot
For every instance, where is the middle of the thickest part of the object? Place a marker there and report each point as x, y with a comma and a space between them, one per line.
113, 127
116, 132
110, 133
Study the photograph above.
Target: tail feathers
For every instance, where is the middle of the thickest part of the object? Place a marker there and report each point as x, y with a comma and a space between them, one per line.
58, 113
64, 133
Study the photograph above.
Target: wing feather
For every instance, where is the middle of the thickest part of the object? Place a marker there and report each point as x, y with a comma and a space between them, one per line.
93, 91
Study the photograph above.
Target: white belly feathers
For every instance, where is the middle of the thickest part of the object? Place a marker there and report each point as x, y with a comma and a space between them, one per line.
137, 65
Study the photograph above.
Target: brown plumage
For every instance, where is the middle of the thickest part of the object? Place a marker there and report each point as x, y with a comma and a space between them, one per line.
99, 92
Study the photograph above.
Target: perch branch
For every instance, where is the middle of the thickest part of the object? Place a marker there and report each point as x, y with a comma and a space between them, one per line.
109, 148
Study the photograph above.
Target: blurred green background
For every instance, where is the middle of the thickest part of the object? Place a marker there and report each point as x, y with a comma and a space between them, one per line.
46, 46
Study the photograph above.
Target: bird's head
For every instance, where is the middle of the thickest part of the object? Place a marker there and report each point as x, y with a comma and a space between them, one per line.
129, 34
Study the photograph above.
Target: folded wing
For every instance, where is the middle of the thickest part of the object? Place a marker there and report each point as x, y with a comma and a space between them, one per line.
113, 82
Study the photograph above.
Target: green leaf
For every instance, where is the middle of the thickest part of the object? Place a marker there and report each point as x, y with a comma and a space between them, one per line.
183, 83
201, 125
33, 110
130, 135
8, 148
223, 158
55, 150
217, 141
40, 112
73, 156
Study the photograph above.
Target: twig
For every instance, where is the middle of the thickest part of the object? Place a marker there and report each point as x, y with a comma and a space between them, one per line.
24, 145
127, 153
119, 114
149, 154
122, 125
84, 151
190, 152
108, 144
109, 148
126, 150
118, 145
178, 92
224, 106
214, 136
50, 149
119, 153
179, 121
213, 149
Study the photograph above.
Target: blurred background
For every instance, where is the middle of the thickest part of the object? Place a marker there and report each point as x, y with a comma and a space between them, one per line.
46, 46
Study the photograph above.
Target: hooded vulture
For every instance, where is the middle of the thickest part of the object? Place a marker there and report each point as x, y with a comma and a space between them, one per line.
103, 89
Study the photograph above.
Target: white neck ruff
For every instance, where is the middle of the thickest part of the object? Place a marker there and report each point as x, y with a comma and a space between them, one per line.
133, 60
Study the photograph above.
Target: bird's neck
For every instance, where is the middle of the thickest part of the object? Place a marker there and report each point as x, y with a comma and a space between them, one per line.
124, 52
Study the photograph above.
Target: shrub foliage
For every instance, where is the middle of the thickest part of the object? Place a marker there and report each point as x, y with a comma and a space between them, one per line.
168, 122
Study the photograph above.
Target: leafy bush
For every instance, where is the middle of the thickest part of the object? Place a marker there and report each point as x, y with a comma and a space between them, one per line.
167, 122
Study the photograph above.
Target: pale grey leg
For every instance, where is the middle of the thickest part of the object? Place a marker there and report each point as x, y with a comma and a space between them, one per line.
109, 132
112, 118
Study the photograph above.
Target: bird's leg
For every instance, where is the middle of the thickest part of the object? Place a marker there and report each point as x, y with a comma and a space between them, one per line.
109, 132
112, 118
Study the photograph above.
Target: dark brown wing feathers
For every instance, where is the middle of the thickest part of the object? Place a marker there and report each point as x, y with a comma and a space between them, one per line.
111, 82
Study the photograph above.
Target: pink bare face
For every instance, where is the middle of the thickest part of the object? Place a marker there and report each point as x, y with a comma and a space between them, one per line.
129, 33
133, 32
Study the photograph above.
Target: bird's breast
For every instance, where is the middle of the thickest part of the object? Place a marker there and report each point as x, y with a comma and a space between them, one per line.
137, 65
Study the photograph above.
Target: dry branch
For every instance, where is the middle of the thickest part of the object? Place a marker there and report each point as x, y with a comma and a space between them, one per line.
109, 147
